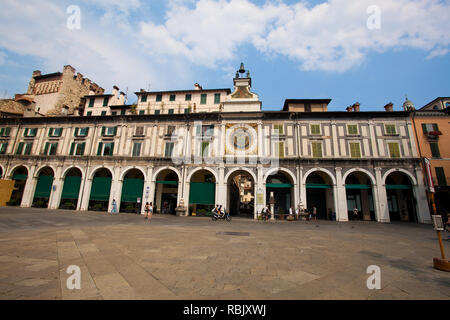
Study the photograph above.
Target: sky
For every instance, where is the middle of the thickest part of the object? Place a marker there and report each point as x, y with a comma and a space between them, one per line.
367, 51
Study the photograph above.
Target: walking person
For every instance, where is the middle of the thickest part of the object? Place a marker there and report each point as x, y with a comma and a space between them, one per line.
355, 213
314, 212
150, 211
147, 210
114, 207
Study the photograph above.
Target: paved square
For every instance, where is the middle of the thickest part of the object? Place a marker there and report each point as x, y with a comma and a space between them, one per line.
126, 257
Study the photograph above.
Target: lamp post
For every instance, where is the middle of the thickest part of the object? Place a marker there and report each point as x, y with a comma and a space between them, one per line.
440, 264
272, 206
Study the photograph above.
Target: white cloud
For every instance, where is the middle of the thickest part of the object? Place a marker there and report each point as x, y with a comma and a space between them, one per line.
2, 57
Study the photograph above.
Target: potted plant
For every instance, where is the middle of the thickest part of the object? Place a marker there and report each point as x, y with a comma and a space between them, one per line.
281, 213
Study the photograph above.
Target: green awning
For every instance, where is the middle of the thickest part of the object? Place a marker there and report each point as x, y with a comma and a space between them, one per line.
174, 183
202, 193
358, 186
132, 189
71, 188
44, 187
279, 185
318, 186
398, 187
101, 186
20, 177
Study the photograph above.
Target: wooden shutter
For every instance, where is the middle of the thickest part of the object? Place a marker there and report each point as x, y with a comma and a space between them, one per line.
46, 148
103, 131
99, 149
72, 147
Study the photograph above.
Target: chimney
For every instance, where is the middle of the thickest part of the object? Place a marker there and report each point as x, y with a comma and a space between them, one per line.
198, 87
389, 107
121, 98
142, 90
69, 68
115, 91
349, 109
79, 76
36, 73
356, 107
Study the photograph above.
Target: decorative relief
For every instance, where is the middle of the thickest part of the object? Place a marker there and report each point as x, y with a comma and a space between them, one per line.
241, 138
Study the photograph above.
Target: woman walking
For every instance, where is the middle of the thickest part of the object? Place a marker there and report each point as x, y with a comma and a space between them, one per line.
150, 211
114, 207
147, 210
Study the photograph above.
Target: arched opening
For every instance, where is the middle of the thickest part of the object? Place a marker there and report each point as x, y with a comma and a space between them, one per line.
401, 201
241, 194
132, 188
166, 192
71, 189
43, 188
281, 187
319, 194
100, 190
20, 176
202, 193
358, 188
1, 172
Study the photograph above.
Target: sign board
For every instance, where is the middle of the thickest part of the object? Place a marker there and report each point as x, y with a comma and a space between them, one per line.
138, 200
54, 188
437, 222
429, 176
260, 198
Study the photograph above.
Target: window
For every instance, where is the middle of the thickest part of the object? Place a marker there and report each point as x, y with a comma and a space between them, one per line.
315, 129
205, 149
170, 130
5, 132
186, 110
141, 112
105, 102
139, 131
203, 99
89, 113
435, 150
30, 132
109, 131
188, 97
429, 127
317, 149
158, 97
172, 97
91, 102
50, 149
137, 149
3, 148
81, 132
55, 132
206, 130
278, 129
114, 113
169, 149
105, 149
390, 129
216, 98
279, 149
144, 98
122, 112
355, 150
24, 146
440, 174
103, 113
157, 111
394, 149
352, 129
170, 111
77, 149
307, 107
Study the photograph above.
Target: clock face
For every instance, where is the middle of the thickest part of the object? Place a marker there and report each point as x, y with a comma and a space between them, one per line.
241, 138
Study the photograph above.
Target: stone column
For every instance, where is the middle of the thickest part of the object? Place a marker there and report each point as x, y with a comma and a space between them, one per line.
146, 189
373, 140
423, 211
58, 182
116, 189
336, 152
81, 194
30, 185
382, 204
340, 197
221, 195
259, 189
365, 204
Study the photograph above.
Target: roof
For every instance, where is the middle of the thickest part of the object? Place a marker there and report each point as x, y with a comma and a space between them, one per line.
12, 107
182, 91
99, 96
49, 75
435, 100
292, 101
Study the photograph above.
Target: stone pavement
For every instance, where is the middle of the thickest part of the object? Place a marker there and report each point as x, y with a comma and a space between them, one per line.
126, 257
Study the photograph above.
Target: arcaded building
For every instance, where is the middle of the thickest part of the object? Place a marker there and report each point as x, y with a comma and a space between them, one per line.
202, 147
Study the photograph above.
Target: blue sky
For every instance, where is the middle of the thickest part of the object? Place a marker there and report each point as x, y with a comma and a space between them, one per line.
294, 49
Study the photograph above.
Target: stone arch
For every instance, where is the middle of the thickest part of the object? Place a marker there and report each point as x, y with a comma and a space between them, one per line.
94, 171
409, 174
369, 174
274, 170
38, 171
326, 171
128, 169
157, 172
213, 172
249, 171
14, 168
64, 173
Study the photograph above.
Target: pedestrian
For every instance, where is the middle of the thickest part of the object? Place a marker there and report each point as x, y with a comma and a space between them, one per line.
114, 207
297, 212
291, 212
147, 210
150, 211
355, 213
314, 212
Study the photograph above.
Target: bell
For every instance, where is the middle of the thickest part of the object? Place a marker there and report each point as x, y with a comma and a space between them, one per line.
242, 69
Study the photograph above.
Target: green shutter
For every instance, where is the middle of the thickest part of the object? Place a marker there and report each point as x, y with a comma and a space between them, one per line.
115, 131
435, 127
7, 132
2, 130
103, 131
72, 147
424, 128
43, 187
112, 149
83, 145
76, 132
50, 132
440, 174
20, 148
71, 188
435, 150
99, 149
28, 147
46, 148
202, 193
101, 187
86, 131
25, 132
132, 189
